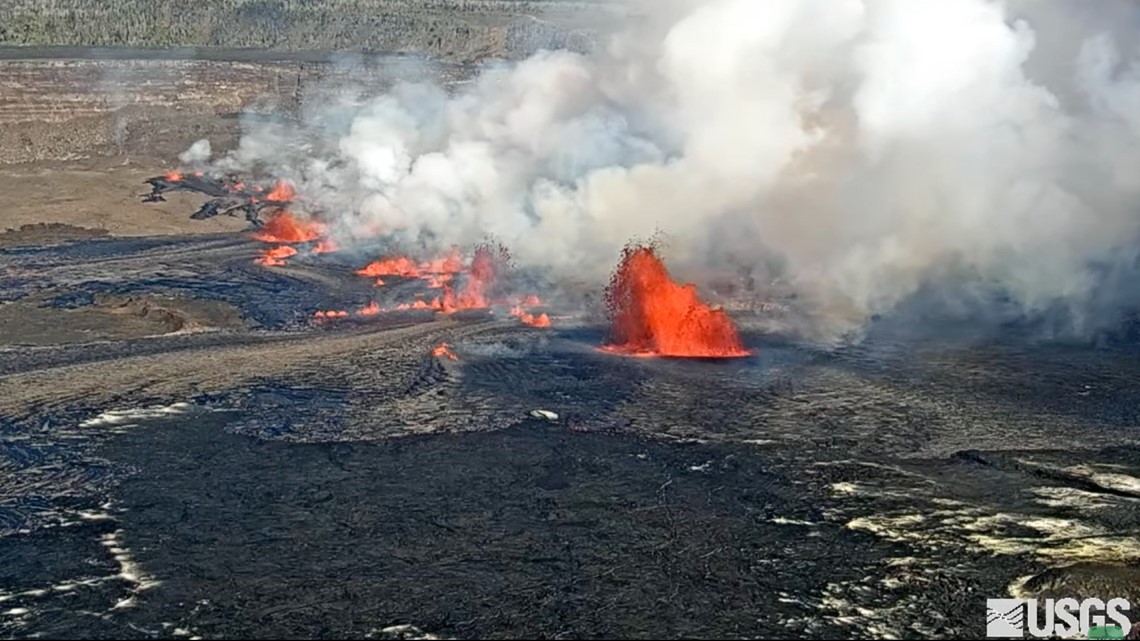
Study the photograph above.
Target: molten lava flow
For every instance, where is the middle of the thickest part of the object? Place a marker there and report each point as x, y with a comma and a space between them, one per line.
440, 272
379, 282
419, 304
486, 263
654, 316
435, 272
275, 256
332, 314
444, 350
437, 281
173, 176
284, 228
282, 192
542, 320
371, 310
399, 266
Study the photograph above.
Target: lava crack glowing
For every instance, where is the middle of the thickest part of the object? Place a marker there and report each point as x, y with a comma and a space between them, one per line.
652, 315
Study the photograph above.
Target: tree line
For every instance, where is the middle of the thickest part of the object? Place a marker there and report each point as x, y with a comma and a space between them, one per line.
447, 28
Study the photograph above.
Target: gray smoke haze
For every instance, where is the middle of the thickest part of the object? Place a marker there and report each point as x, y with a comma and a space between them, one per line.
852, 151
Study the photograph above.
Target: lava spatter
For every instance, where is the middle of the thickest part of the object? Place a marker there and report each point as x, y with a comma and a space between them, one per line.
652, 315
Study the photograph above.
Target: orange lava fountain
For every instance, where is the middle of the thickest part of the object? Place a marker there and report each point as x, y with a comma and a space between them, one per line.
654, 316
282, 192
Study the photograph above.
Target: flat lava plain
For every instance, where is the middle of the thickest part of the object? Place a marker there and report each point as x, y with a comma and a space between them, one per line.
185, 452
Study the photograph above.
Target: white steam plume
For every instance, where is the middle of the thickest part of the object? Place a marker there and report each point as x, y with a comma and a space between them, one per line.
197, 154
857, 150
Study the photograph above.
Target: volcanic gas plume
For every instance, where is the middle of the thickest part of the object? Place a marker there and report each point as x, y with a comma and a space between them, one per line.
850, 152
654, 316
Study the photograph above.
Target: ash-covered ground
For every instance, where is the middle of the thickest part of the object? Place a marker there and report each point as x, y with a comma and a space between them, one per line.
186, 452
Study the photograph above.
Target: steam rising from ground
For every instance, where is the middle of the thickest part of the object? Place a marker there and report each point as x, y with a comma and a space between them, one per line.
851, 151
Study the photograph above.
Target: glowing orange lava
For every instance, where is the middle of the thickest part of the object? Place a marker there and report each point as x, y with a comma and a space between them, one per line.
654, 316
371, 310
437, 281
172, 176
419, 304
282, 192
275, 256
449, 264
542, 320
435, 272
284, 228
439, 273
444, 350
485, 264
399, 266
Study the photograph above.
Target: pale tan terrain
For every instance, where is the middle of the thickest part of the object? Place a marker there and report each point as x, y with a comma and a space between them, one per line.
98, 194
78, 137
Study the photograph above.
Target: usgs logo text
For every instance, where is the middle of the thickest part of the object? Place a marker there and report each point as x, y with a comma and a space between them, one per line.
1065, 618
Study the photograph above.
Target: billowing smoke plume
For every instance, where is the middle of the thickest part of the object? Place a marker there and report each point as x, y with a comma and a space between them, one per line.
853, 151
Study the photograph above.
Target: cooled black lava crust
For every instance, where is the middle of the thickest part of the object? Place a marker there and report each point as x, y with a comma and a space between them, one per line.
296, 480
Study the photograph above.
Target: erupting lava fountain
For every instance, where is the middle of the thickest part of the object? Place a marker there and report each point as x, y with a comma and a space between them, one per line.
654, 316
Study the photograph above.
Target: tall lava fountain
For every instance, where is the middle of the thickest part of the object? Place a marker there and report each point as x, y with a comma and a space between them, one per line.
654, 316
